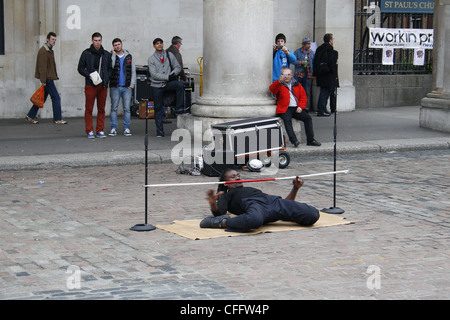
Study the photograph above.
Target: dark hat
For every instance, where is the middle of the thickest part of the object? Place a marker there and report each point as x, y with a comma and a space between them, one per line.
157, 40
280, 36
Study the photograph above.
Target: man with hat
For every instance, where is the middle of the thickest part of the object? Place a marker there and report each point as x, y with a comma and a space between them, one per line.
303, 72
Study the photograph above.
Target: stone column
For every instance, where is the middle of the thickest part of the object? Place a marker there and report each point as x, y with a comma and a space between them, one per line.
237, 57
434, 113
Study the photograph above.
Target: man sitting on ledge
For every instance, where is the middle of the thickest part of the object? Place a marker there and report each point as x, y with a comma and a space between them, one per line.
291, 103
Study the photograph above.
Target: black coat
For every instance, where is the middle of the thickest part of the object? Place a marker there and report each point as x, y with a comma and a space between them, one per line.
89, 62
327, 73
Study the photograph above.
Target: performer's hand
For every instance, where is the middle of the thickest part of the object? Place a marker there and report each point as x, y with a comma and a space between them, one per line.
298, 182
212, 197
299, 110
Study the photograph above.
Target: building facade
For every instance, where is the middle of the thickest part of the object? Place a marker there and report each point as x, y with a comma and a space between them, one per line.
137, 23
25, 24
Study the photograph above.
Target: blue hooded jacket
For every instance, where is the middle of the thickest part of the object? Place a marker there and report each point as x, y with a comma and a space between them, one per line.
281, 61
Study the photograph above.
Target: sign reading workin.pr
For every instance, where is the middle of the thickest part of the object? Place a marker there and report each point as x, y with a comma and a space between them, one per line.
401, 38
407, 6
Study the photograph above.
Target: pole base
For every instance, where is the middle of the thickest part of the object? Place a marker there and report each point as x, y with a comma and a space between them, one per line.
333, 210
143, 227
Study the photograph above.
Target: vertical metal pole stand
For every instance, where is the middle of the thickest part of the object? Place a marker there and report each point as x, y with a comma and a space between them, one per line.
334, 209
145, 226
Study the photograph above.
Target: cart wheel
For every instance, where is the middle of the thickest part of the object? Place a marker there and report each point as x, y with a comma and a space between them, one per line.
283, 159
265, 159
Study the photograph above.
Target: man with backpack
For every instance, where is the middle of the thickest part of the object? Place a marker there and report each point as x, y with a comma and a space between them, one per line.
326, 73
164, 71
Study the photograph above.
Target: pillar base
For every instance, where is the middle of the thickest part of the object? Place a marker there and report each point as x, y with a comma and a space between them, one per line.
345, 98
435, 113
217, 107
206, 115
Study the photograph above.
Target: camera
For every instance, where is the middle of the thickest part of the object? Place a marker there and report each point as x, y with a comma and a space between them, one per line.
279, 47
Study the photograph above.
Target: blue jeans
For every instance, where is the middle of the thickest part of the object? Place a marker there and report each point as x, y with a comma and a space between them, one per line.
50, 89
305, 82
116, 94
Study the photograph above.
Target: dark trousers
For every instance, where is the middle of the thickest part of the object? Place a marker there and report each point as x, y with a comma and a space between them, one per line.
302, 116
263, 209
49, 89
158, 100
325, 93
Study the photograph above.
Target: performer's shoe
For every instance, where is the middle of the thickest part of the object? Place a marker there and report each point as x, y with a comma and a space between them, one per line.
213, 222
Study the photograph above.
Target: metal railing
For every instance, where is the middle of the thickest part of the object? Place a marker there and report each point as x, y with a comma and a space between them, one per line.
368, 60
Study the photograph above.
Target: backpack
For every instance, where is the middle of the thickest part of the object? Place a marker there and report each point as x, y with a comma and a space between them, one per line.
322, 65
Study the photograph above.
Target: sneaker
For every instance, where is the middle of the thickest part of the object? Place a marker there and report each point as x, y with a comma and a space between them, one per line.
32, 121
113, 133
61, 122
91, 135
127, 133
101, 135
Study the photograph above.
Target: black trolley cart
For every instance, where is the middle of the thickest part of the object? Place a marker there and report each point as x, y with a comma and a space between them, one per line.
240, 141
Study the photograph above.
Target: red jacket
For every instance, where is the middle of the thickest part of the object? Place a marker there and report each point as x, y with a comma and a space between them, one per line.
283, 96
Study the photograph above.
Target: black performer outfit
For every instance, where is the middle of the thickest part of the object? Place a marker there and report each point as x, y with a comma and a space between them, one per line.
255, 208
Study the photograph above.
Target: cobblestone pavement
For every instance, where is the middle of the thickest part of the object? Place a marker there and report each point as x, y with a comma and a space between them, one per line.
60, 223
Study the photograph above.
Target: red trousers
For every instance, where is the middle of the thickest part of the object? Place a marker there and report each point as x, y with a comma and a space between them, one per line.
100, 93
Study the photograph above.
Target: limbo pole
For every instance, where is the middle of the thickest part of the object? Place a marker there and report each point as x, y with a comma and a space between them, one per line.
145, 226
242, 181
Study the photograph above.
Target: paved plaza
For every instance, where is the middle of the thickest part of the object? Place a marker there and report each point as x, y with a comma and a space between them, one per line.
65, 234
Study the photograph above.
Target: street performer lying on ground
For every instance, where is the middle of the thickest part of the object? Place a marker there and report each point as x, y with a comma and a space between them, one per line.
253, 207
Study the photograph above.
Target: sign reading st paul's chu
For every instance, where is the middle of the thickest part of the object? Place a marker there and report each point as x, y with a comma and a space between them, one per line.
407, 6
